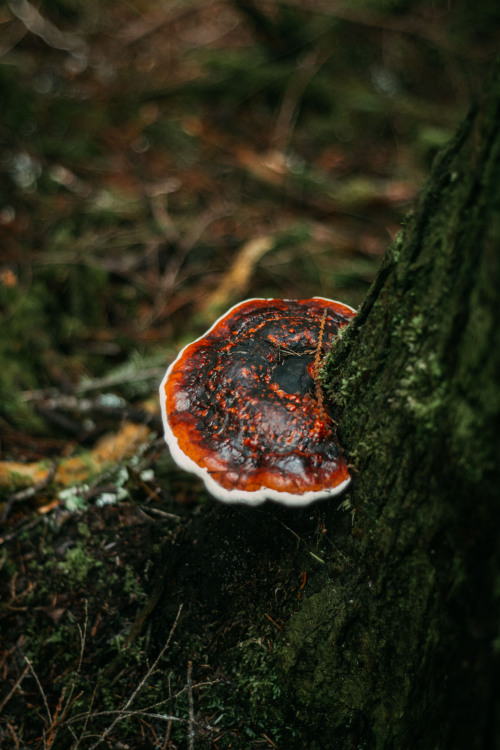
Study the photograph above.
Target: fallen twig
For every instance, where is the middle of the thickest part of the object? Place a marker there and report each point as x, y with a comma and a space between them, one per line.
125, 710
189, 685
16, 685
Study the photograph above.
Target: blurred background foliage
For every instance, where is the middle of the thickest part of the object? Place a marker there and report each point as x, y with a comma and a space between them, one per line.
162, 160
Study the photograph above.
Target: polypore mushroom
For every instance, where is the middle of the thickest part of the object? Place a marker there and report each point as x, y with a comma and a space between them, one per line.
243, 409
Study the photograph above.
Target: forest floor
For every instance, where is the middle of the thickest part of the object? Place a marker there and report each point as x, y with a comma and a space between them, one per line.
161, 162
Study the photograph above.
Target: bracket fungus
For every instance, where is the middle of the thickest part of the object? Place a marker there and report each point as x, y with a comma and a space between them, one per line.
243, 408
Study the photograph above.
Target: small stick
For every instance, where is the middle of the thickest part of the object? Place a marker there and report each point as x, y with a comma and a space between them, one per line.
189, 683
317, 361
13, 734
269, 740
18, 682
42, 692
124, 711
273, 621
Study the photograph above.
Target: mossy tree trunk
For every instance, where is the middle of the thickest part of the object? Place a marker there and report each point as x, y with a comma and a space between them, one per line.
397, 651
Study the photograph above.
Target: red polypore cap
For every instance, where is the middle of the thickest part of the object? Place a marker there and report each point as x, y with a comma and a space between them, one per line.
243, 409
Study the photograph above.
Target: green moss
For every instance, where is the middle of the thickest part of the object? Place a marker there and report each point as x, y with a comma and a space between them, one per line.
250, 705
346, 656
78, 564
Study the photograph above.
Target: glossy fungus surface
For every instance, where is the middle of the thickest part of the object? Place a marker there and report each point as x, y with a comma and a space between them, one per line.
243, 408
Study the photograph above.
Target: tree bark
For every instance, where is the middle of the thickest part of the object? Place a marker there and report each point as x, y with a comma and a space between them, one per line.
397, 650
